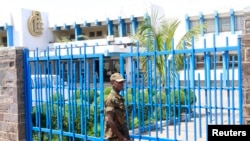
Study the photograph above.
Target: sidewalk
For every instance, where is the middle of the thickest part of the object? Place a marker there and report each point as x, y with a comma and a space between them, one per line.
185, 131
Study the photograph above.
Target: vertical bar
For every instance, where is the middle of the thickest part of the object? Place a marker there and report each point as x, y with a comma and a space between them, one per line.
205, 81
168, 115
155, 82
217, 23
179, 103
232, 21
187, 23
174, 79
193, 89
208, 86
10, 35
221, 98
81, 95
187, 110
199, 105
101, 94
232, 89
228, 91
201, 22
110, 27
78, 32
215, 78
28, 96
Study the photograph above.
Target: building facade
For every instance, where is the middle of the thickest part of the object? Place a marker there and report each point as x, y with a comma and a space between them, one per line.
111, 37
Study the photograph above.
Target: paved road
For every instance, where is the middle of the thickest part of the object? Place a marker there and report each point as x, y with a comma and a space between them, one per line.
209, 113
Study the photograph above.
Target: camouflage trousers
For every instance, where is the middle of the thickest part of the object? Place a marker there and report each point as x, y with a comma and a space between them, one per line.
113, 139
116, 139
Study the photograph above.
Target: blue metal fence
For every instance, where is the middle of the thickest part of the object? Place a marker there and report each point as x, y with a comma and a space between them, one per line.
178, 105
65, 97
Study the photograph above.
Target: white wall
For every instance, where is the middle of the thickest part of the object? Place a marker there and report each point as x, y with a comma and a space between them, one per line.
22, 37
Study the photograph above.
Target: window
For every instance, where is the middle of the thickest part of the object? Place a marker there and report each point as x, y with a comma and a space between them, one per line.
72, 37
128, 29
99, 33
115, 29
4, 41
194, 23
210, 25
239, 23
91, 34
225, 24
200, 59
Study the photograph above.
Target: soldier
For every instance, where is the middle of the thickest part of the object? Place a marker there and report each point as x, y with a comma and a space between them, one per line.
115, 112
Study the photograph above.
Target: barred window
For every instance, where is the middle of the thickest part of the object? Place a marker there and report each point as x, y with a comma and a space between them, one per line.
210, 25
194, 23
224, 24
128, 29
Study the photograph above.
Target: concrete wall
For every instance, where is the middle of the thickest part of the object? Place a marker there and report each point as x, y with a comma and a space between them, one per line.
12, 111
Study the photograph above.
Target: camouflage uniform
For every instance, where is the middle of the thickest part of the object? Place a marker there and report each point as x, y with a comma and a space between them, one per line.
114, 102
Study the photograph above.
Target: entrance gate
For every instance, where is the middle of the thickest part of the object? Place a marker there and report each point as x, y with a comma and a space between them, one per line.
65, 95
165, 104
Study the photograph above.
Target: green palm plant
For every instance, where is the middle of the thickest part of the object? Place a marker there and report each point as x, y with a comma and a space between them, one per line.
157, 33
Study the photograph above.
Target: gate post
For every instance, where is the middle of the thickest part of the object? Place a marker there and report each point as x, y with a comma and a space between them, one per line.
12, 111
246, 68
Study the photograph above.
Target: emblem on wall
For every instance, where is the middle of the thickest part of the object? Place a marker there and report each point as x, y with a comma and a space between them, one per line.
35, 24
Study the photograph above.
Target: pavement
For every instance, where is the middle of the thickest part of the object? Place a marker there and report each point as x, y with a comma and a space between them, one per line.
214, 110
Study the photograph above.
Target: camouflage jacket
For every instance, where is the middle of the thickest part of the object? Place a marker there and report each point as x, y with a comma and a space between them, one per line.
114, 102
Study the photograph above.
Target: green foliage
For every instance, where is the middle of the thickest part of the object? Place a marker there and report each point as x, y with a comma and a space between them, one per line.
128, 97
148, 105
107, 90
157, 32
87, 95
182, 97
181, 100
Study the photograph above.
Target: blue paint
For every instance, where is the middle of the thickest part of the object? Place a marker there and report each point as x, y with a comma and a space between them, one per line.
192, 66
66, 27
187, 19
121, 27
10, 36
98, 23
225, 59
57, 27
78, 32
110, 27
134, 23
216, 23
27, 88
201, 16
144, 104
86, 24
232, 21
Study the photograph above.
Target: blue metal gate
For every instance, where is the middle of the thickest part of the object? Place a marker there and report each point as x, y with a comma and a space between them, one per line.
178, 105
65, 95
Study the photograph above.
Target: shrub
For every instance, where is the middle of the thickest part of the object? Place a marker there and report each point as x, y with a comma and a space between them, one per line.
107, 90
88, 95
160, 99
181, 100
